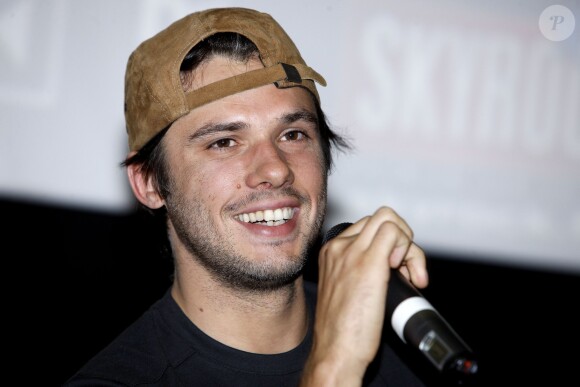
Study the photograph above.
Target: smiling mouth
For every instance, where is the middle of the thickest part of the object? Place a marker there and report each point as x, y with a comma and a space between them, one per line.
267, 217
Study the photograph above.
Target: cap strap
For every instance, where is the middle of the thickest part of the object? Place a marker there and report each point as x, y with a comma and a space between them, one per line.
284, 75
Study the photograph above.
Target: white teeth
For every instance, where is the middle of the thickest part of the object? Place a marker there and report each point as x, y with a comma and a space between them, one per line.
268, 217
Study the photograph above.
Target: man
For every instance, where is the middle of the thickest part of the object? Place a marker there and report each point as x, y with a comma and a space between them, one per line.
228, 141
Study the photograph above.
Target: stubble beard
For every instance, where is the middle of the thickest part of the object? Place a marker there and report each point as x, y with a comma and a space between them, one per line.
216, 253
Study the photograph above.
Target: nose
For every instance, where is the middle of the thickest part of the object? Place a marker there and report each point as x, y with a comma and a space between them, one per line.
268, 167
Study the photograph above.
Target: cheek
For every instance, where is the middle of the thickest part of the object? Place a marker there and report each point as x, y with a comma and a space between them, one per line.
319, 186
313, 162
216, 181
311, 171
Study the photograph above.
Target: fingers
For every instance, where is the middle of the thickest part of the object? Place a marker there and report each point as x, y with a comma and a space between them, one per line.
371, 223
387, 239
414, 267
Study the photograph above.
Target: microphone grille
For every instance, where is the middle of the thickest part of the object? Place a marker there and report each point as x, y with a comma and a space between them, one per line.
334, 231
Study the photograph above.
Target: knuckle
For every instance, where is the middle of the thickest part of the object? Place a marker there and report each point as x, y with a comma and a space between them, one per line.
386, 211
388, 227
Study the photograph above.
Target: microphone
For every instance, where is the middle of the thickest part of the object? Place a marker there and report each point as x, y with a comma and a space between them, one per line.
417, 323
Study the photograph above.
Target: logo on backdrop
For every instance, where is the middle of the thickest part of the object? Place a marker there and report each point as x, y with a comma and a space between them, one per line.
557, 23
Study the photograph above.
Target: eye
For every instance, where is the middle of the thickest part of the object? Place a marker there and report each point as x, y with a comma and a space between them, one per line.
223, 143
294, 135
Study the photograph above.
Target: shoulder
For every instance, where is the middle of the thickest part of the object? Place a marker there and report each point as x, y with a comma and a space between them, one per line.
134, 357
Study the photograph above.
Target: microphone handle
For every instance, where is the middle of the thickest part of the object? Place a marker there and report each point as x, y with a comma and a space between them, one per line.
418, 323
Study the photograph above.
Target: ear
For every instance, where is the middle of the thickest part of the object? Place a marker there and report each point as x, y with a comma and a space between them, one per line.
143, 188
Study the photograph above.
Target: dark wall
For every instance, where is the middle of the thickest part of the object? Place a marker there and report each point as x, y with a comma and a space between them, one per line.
79, 277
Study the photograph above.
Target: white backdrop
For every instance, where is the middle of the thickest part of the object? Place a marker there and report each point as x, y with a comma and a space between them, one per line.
465, 115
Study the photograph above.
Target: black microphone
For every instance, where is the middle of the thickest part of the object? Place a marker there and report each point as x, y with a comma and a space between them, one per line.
417, 323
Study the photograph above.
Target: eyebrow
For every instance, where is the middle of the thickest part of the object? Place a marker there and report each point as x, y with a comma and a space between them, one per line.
299, 115
288, 118
213, 127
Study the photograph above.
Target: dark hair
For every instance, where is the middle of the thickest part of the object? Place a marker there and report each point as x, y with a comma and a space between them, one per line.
150, 157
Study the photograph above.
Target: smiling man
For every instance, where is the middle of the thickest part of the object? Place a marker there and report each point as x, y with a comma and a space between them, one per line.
228, 142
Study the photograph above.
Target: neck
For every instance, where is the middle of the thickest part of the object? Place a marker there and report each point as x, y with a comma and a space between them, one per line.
266, 322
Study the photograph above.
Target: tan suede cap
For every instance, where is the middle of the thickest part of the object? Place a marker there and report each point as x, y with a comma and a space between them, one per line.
154, 97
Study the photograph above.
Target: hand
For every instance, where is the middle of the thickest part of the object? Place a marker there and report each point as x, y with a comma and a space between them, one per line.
354, 271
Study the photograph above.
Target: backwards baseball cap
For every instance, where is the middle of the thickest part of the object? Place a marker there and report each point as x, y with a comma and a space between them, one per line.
154, 96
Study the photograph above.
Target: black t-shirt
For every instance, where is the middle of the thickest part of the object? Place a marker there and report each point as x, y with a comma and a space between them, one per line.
164, 348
